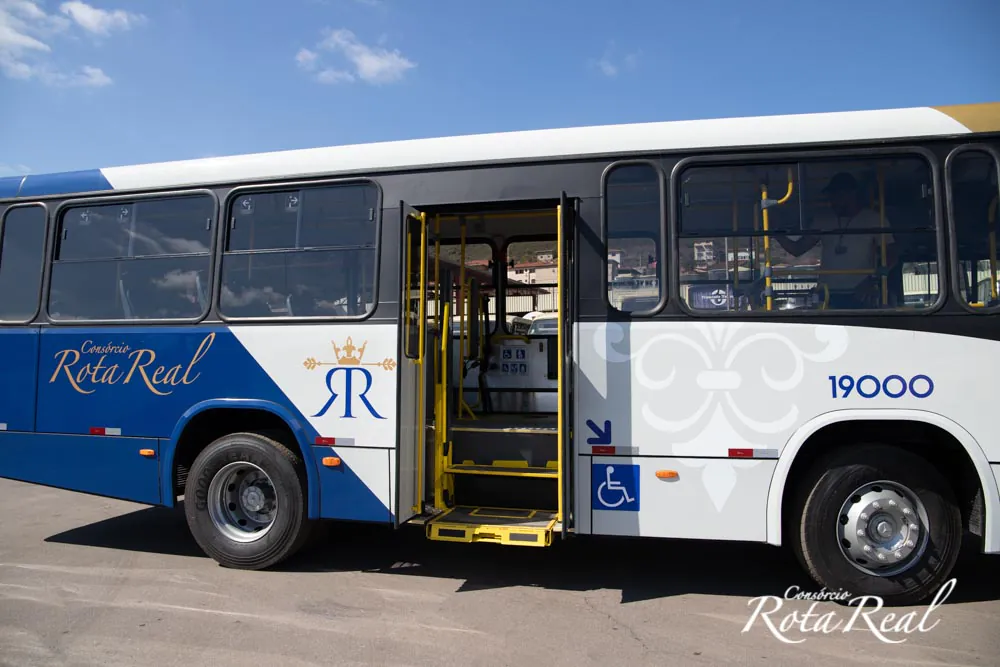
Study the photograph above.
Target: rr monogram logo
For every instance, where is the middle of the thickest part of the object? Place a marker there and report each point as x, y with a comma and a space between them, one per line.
349, 362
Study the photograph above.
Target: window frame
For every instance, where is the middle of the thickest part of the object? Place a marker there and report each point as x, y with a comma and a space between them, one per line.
814, 156
272, 186
77, 202
45, 256
667, 246
954, 278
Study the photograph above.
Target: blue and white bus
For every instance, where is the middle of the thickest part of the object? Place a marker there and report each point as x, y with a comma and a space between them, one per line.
805, 355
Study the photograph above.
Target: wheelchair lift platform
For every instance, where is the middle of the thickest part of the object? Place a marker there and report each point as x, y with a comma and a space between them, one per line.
529, 528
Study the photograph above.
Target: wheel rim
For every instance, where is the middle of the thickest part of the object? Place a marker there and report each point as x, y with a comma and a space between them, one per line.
883, 528
242, 502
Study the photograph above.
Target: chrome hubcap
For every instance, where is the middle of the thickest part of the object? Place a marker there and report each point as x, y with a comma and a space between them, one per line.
242, 502
883, 528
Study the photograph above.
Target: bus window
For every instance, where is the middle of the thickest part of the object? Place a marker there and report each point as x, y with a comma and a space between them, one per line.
975, 215
835, 235
147, 259
22, 254
633, 220
532, 278
479, 265
303, 252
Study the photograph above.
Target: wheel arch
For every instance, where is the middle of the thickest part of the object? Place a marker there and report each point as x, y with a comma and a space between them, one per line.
228, 407
804, 447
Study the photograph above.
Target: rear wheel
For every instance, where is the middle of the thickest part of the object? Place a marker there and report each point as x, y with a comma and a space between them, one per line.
245, 501
879, 520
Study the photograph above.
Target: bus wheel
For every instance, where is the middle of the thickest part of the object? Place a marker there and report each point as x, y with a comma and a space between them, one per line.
879, 521
245, 501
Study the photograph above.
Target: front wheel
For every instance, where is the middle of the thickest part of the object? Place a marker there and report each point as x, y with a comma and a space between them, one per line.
245, 501
881, 521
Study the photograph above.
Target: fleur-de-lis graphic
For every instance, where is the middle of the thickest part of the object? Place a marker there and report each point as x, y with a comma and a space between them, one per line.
717, 359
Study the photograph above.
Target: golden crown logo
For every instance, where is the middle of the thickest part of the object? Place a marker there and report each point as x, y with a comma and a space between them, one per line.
349, 355
347, 358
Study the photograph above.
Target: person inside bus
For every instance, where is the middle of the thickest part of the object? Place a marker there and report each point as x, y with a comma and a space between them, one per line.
856, 255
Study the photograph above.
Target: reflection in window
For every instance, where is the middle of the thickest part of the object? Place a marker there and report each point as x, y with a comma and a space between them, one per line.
22, 253
307, 252
633, 221
974, 192
148, 260
838, 235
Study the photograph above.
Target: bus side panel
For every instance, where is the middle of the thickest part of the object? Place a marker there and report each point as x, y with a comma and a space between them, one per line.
17, 378
103, 466
338, 382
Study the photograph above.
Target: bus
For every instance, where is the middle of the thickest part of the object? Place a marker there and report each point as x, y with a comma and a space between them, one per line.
783, 330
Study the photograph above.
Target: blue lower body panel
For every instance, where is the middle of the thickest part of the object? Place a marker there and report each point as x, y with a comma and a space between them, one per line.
101, 465
343, 495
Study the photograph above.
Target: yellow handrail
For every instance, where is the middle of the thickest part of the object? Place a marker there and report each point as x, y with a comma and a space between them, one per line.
441, 418
437, 270
423, 288
765, 205
559, 373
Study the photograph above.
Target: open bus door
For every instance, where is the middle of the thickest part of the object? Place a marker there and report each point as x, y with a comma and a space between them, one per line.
413, 366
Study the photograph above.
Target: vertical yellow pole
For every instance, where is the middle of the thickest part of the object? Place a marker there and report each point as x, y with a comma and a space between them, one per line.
560, 287
438, 292
441, 423
767, 246
461, 300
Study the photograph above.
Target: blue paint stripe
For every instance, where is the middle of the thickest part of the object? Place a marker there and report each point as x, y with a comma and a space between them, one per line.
67, 182
9, 185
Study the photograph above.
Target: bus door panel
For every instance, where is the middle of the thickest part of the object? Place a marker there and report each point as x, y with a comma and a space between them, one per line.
412, 367
18, 378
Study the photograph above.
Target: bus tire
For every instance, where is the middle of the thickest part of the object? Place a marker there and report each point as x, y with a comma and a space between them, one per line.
884, 492
245, 501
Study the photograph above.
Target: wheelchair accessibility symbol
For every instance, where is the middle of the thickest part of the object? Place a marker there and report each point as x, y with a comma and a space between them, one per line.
615, 487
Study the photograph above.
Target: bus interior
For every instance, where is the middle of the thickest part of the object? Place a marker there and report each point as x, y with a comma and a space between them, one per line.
492, 443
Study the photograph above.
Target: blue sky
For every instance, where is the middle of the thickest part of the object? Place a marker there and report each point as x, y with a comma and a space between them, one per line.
111, 82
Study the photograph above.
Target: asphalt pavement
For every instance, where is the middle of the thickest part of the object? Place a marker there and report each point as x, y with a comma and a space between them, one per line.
92, 581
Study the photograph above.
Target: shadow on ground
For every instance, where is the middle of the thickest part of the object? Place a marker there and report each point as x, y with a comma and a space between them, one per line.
641, 569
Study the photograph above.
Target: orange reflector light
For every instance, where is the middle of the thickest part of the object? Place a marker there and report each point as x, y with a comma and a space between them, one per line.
331, 461
667, 474
148, 453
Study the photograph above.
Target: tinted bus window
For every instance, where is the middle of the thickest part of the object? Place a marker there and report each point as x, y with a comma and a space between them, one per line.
974, 207
833, 235
303, 252
633, 224
147, 259
22, 254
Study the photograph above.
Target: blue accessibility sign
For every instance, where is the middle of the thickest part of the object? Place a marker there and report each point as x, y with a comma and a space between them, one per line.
614, 487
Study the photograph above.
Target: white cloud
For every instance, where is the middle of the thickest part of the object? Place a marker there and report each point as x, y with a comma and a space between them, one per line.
306, 59
28, 34
100, 21
610, 67
371, 64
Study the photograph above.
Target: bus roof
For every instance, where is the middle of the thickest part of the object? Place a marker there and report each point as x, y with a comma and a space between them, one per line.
875, 125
